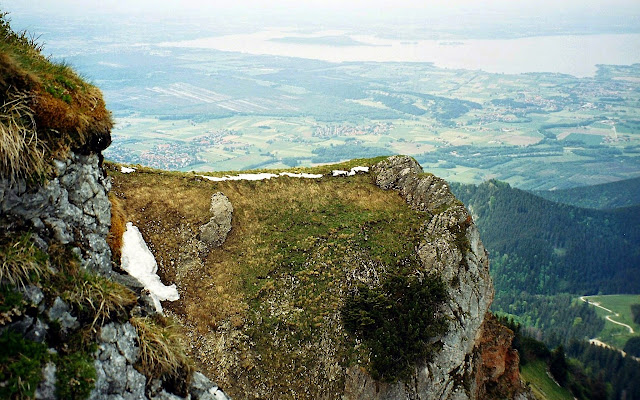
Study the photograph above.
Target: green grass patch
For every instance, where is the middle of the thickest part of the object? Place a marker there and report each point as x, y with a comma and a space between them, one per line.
21, 363
76, 376
620, 304
536, 376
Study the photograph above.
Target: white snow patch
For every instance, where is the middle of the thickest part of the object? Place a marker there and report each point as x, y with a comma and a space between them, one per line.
301, 175
359, 169
140, 263
352, 172
127, 170
259, 177
265, 175
241, 177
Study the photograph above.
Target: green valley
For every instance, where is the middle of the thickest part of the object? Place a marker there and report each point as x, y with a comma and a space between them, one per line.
616, 309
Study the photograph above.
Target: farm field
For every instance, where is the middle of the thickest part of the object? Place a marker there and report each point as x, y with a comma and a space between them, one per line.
211, 111
617, 308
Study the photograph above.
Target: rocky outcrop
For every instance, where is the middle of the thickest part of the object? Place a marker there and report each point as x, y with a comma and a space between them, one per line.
497, 374
452, 249
214, 232
70, 208
117, 378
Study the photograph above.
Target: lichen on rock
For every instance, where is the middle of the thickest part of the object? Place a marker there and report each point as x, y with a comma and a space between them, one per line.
71, 207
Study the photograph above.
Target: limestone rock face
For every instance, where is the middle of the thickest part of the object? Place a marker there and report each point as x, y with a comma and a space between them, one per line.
215, 232
117, 378
73, 207
452, 248
117, 352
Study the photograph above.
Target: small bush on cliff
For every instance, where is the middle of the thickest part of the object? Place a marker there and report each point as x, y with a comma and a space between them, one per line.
398, 322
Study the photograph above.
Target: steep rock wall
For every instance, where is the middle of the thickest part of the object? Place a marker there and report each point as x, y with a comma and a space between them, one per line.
71, 208
498, 375
453, 249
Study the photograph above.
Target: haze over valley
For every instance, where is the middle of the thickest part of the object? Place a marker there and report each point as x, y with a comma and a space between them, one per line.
542, 99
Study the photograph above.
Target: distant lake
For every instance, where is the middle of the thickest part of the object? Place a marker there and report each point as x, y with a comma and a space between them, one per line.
574, 55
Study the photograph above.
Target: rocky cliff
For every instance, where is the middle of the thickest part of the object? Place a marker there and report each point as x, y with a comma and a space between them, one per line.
265, 309
452, 248
72, 325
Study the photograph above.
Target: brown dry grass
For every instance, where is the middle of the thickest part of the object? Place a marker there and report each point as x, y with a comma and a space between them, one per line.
223, 289
161, 349
118, 227
21, 152
84, 123
105, 300
21, 263
46, 108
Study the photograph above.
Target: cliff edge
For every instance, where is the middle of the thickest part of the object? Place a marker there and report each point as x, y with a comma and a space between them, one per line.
364, 280
270, 310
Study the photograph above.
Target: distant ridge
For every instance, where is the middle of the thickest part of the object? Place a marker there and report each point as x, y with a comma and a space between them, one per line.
604, 196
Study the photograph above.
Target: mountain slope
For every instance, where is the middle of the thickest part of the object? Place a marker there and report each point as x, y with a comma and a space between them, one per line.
618, 194
539, 246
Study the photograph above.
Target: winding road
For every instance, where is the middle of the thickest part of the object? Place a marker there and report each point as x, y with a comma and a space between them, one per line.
608, 317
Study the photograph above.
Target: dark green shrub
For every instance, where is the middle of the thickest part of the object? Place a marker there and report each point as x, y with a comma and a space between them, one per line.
77, 374
21, 363
398, 321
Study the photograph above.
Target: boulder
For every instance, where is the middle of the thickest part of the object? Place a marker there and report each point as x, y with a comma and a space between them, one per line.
215, 232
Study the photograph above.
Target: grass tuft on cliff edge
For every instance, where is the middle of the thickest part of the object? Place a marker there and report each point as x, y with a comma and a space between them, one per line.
46, 109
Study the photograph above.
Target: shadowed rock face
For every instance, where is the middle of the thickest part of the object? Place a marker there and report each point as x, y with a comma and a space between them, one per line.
497, 375
452, 248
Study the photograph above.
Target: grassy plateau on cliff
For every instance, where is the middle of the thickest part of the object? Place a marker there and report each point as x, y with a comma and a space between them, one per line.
309, 270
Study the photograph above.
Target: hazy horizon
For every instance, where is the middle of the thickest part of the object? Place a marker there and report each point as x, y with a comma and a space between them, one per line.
463, 17
269, 85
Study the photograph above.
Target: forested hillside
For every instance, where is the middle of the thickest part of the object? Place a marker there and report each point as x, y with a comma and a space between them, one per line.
544, 253
623, 193
541, 247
